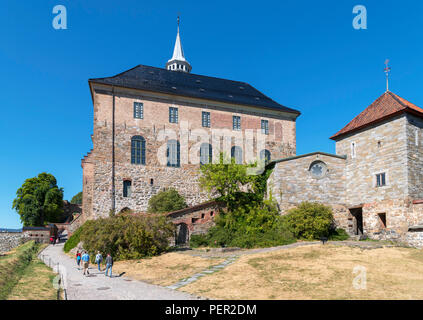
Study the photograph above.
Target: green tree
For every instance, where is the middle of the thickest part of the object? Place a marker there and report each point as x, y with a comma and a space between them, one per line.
77, 199
38, 200
229, 181
166, 201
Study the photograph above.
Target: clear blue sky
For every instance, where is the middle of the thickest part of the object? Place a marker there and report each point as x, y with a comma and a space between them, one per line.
303, 54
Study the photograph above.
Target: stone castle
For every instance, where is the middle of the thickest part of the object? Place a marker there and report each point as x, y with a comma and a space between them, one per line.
154, 127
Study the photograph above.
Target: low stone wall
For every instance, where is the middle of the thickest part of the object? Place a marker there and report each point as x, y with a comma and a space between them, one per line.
10, 240
414, 239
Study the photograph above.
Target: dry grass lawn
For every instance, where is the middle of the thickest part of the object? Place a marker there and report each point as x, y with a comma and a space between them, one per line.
317, 272
165, 269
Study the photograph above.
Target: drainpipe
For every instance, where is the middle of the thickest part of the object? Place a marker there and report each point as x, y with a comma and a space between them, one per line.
113, 153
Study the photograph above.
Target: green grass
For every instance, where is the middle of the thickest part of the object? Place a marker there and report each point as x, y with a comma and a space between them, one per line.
73, 241
17, 267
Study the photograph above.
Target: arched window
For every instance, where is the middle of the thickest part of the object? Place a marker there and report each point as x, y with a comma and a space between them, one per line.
265, 155
137, 150
206, 153
236, 152
173, 153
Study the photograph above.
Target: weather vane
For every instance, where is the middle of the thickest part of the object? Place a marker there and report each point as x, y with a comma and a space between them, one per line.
387, 72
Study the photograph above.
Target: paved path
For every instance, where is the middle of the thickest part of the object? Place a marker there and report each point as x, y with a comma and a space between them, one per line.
99, 287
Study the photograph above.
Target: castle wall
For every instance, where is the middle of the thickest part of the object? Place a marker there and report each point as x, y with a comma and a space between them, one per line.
147, 180
291, 183
380, 148
414, 132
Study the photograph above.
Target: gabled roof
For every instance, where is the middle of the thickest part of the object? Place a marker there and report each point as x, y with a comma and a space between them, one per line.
192, 85
387, 105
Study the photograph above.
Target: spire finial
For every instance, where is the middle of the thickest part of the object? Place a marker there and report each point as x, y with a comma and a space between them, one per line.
178, 20
387, 72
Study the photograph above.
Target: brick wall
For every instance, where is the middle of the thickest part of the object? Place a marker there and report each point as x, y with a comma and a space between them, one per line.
147, 180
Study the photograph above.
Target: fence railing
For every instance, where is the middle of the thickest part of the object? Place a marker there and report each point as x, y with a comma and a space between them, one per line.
61, 285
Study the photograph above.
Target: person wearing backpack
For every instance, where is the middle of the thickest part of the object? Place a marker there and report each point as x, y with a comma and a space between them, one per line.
98, 259
78, 258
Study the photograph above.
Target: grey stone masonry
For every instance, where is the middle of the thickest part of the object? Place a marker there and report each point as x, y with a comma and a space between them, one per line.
9, 240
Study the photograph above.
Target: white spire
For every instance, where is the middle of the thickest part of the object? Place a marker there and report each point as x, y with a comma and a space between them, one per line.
178, 61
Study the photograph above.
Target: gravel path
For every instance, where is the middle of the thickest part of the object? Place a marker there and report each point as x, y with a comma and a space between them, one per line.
99, 287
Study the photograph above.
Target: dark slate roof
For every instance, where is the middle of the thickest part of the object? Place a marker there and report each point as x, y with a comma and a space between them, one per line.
192, 85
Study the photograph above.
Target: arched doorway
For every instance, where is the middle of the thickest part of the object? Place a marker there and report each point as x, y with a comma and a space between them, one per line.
182, 234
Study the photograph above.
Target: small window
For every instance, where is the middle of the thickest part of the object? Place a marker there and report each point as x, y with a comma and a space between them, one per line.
211, 213
353, 150
138, 110
382, 219
416, 137
202, 216
379, 144
194, 220
127, 188
206, 119
265, 126
380, 180
173, 115
151, 182
236, 123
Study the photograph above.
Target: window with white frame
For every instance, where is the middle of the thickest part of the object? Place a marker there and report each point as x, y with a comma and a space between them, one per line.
236, 123
265, 126
138, 110
173, 115
381, 179
205, 118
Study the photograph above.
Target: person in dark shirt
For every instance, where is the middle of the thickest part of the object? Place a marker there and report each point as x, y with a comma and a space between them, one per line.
109, 264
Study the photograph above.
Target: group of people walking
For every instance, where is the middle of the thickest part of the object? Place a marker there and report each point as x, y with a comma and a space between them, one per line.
85, 258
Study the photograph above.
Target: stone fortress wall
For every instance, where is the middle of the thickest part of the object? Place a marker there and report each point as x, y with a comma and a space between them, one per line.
147, 180
9, 240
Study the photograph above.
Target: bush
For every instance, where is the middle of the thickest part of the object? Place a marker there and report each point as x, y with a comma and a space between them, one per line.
166, 201
249, 226
73, 240
338, 235
310, 221
127, 237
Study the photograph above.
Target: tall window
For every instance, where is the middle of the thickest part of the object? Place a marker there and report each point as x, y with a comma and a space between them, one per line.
236, 123
173, 115
173, 153
138, 110
381, 179
236, 153
206, 119
206, 153
265, 126
127, 188
353, 150
265, 155
416, 137
137, 150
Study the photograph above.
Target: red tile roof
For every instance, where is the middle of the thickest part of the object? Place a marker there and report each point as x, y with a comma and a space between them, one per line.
387, 105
